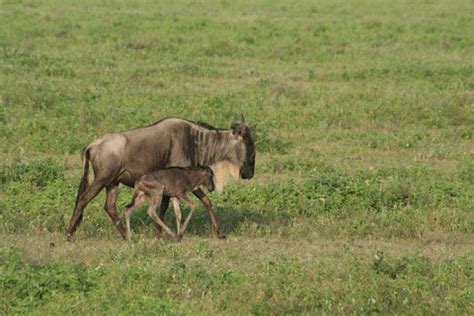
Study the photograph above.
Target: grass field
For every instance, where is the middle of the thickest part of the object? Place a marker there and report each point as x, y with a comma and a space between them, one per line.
363, 196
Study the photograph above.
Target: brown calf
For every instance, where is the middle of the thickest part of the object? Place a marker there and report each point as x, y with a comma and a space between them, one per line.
173, 182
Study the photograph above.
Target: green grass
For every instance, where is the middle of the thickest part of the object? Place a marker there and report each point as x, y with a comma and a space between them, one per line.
240, 275
363, 196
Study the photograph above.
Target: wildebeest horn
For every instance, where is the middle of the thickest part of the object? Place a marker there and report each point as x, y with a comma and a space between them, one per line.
242, 120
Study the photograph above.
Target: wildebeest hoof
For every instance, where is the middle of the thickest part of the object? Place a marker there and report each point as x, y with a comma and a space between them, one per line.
178, 237
69, 237
221, 235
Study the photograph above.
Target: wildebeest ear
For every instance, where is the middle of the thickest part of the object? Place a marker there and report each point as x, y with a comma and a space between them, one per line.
242, 123
242, 120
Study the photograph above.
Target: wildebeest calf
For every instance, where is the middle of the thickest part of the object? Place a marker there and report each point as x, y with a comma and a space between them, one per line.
174, 182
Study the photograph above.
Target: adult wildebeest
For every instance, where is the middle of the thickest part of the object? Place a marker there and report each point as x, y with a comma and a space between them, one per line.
173, 182
124, 157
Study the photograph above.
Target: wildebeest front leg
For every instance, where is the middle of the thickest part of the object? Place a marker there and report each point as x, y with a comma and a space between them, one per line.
212, 215
84, 199
111, 208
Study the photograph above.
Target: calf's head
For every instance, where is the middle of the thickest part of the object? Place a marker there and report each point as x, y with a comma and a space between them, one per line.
208, 179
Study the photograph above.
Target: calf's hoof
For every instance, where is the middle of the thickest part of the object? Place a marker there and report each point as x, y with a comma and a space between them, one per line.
69, 237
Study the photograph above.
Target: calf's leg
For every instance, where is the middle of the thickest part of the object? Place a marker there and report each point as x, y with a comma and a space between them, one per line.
156, 196
154, 216
165, 201
139, 200
178, 215
192, 208
212, 215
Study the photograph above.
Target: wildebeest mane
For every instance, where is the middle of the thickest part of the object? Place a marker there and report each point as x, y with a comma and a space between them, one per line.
203, 144
206, 125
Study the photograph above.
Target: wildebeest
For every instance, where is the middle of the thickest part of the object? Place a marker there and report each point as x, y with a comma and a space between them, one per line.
124, 157
173, 182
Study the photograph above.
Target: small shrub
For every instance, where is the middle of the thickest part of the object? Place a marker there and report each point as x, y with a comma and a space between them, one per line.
27, 286
38, 172
381, 265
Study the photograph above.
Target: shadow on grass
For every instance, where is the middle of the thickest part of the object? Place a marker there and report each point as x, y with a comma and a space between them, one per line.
229, 219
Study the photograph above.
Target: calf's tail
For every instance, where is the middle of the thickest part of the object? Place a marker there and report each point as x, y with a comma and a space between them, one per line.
84, 184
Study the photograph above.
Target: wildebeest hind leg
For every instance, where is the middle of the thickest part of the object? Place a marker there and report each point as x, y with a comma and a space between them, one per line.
84, 199
111, 208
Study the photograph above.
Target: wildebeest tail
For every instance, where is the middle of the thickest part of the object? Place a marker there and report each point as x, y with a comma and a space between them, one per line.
85, 178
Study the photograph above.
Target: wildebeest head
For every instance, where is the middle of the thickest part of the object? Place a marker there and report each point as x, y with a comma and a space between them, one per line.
244, 155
